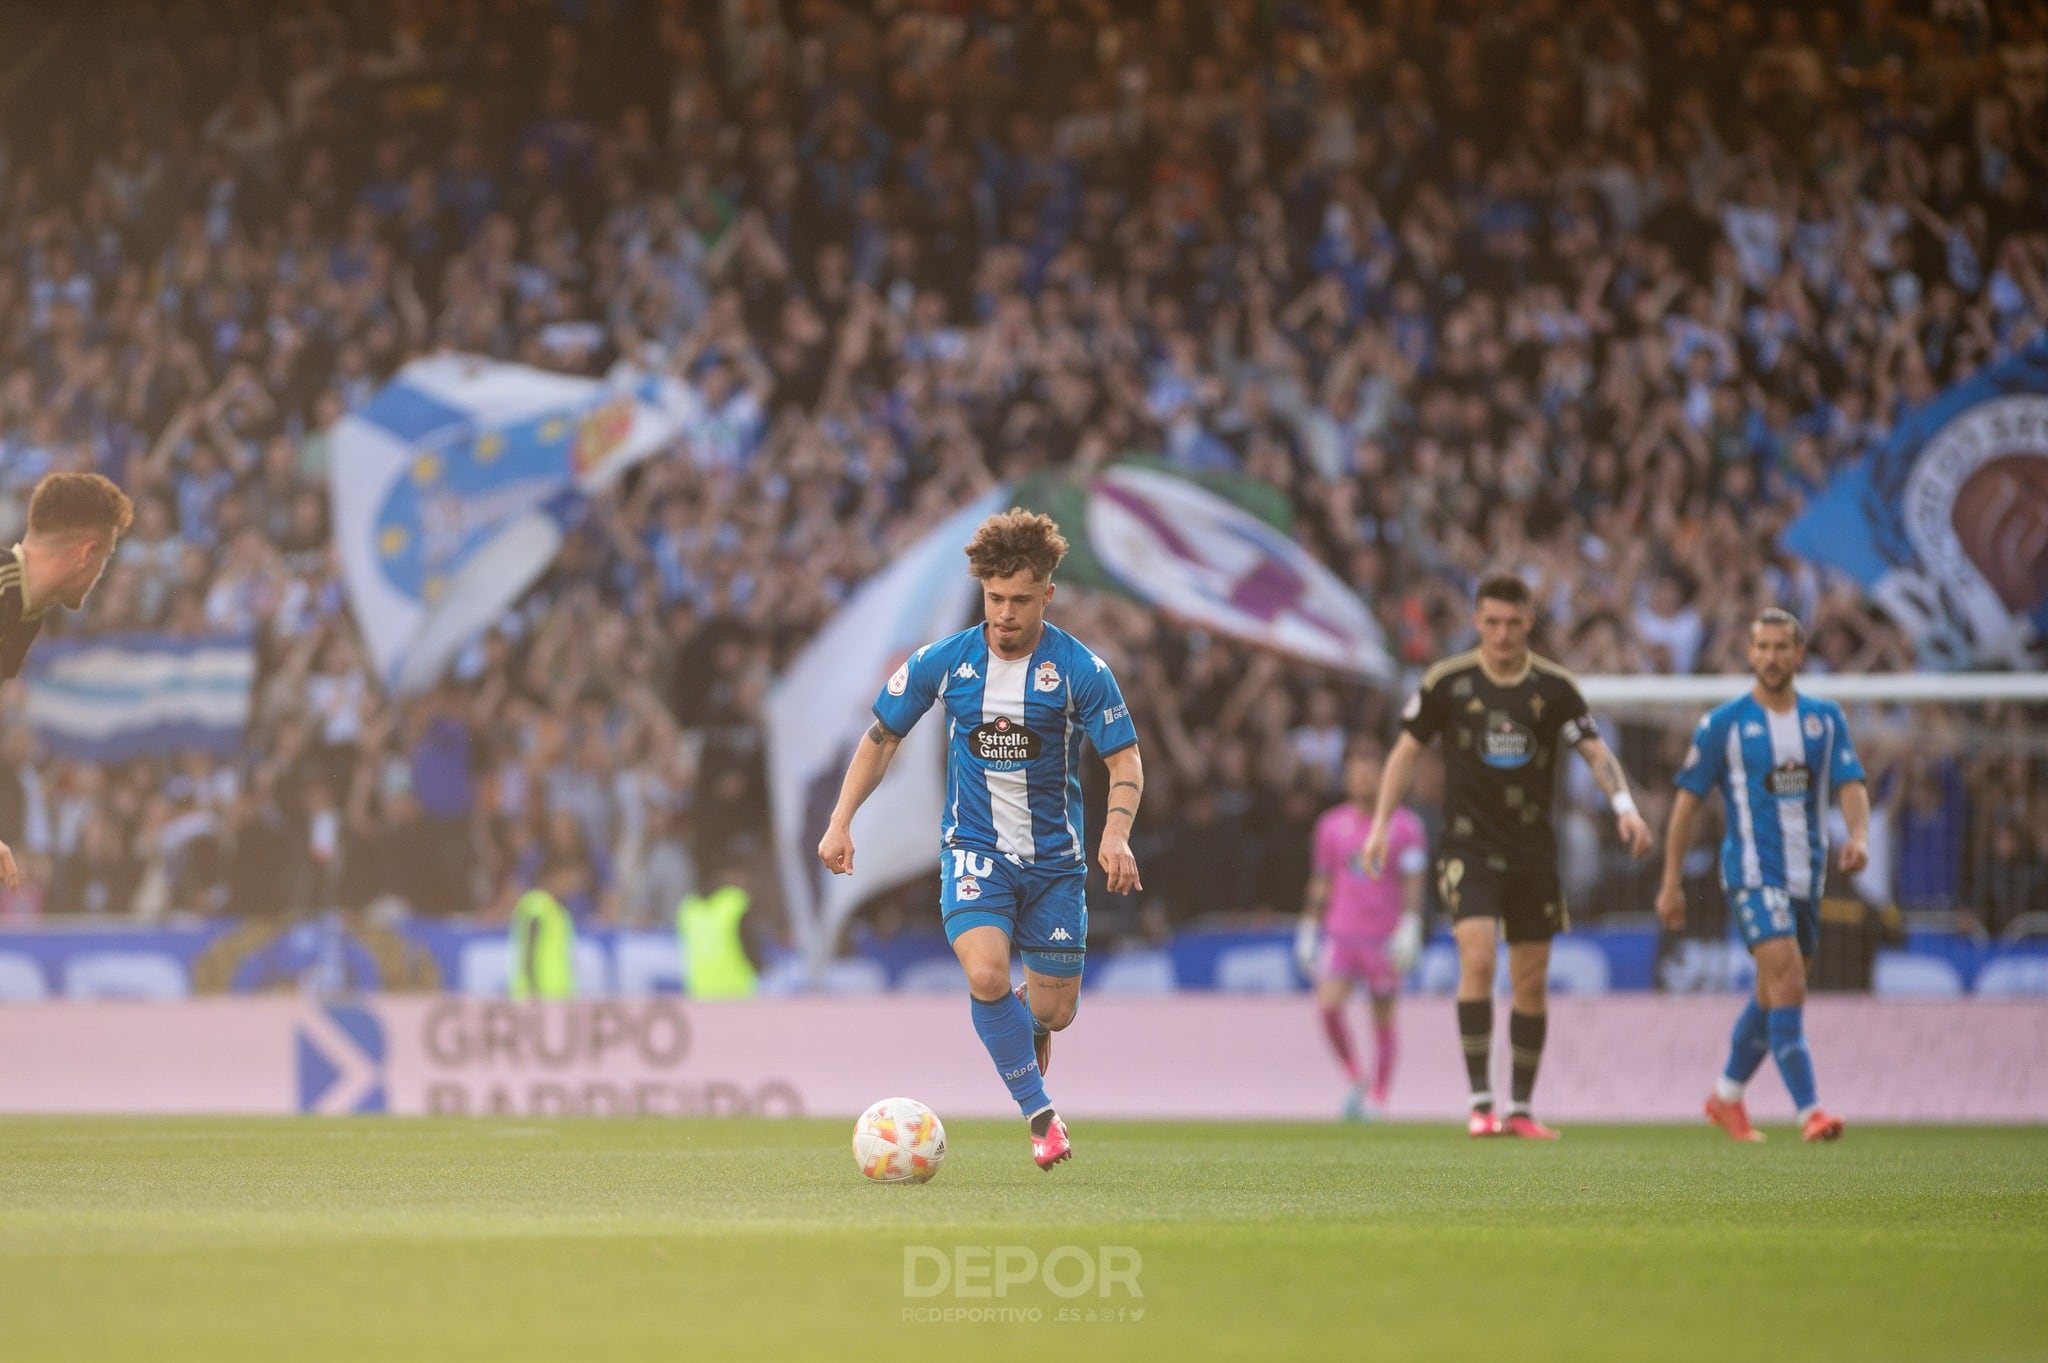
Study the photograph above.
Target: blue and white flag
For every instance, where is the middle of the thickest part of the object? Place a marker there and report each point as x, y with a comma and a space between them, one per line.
452, 485
1946, 527
115, 697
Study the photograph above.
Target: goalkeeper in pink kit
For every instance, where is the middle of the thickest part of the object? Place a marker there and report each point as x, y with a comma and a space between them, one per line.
1371, 927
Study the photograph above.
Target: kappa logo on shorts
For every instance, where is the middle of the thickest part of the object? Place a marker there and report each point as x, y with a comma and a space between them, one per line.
1061, 935
1047, 678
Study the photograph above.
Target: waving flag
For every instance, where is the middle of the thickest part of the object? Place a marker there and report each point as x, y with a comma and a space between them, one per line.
115, 697
1211, 552
818, 711
1946, 527
451, 486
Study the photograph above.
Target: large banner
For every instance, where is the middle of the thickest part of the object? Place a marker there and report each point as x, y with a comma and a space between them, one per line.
1635, 1059
819, 708
452, 485
1946, 527
114, 697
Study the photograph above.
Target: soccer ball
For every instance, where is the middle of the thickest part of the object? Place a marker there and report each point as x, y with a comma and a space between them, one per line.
899, 1140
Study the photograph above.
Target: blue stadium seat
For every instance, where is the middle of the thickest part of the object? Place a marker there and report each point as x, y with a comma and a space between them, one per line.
1915, 975
151, 975
21, 979
2014, 977
1257, 970
1139, 971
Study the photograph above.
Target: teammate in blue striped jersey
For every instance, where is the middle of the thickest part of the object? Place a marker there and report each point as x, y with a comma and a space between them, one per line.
1019, 696
1774, 754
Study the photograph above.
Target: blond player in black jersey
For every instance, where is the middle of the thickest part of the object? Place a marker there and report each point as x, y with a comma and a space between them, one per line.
74, 522
1505, 716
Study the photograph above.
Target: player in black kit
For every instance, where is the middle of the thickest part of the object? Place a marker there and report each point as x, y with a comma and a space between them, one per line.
74, 522
1505, 716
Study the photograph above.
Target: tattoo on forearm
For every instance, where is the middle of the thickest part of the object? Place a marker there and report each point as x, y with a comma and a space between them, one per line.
1609, 774
1125, 785
1119, 809
878, 734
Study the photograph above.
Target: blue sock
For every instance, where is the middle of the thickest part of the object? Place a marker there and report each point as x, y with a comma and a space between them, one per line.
1749, 1044
1005, 1028
1788, 1044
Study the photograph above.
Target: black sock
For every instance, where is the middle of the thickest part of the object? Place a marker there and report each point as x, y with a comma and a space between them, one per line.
1525, 1045
1041, 1121
1475, 1029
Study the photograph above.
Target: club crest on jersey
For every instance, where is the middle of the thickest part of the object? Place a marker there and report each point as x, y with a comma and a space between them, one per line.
1812, 726
1047, 678
900, 679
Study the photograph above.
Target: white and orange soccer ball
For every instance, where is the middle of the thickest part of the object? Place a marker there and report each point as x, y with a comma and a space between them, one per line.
899, 1140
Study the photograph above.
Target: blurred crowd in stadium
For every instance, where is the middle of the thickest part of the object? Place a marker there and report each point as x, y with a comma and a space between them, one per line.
1599, 291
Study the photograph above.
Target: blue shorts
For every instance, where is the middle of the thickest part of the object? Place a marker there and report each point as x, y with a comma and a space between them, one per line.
1767, 913
1043, 909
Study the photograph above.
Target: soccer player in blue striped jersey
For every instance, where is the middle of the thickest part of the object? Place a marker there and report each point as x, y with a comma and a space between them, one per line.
1774, 754
1019, 696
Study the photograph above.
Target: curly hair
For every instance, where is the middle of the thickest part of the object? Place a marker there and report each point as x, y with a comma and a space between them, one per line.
1011, 541
78, 504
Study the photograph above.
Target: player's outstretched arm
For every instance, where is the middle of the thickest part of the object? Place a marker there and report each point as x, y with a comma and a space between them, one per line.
1635, 834
871, 759
1856, 813
1394, 778
1685, 806
1126, 789
10, 874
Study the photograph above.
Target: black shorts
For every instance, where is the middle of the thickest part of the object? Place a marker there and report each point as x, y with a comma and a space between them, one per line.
1528, 899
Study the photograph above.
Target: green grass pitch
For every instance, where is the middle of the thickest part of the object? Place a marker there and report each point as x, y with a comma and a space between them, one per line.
612, 1240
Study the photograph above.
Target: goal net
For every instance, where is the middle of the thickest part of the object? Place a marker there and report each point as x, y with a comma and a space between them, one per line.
1959, 828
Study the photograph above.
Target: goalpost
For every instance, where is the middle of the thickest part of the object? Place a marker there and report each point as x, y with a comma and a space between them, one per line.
1959, 825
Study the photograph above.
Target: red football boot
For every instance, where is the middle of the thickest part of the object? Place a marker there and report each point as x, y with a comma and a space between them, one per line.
1732, 1118
1821, 1127
1523, 1125
1053, 1146
1484, 1124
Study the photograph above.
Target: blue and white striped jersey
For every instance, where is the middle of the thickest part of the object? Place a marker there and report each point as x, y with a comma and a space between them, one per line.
1775, 771
1013, 761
